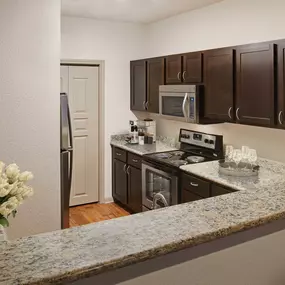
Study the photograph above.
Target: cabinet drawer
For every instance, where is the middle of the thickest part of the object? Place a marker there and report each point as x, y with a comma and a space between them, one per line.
218, 190
196, 185
189, 197
134, 160
120, 154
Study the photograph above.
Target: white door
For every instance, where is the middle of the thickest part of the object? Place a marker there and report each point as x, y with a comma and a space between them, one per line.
81, 85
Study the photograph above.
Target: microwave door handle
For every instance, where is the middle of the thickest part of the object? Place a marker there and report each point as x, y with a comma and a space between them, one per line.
184, 106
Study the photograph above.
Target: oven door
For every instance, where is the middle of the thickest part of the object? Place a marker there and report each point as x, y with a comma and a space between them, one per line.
159, 188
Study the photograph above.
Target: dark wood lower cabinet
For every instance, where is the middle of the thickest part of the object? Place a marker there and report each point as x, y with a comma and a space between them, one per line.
135, 189
187, 196
217, 190
126, 180
120, 191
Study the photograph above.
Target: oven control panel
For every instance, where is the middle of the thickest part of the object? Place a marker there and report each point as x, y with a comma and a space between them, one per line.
199, 139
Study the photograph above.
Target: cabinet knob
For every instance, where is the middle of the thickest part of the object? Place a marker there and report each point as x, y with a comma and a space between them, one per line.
194, 184
179, 75
118, 154
125, 168
230, 112
237, 114
280, 118
135, 160
128, 170
183, 75
146, 105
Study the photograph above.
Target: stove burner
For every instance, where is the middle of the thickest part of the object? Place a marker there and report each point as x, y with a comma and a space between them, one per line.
195, 159
163, 155
178, 162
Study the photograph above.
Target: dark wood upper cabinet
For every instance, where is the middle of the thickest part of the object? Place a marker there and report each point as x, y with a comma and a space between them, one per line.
134, 189
185, 68
281, 87
255, 101
120, 191
155, 77
219, 84
192, 67
173, 69
138, 85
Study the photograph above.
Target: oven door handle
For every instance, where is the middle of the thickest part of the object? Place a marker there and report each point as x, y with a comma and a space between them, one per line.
184, 106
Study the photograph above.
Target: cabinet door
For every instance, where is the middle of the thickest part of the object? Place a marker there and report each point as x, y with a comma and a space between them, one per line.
281, 86
134, 189
173, 69
120, 191
192, 67
138, 85
155, 77
217, 190
196, 186
255, 84
189, 197
219, 84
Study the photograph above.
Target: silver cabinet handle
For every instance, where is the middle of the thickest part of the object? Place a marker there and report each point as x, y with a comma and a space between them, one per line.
184, 106
125, 168
237, 113
183, 75
280, 115
194, 184
229, 112
135, 160
128, 170
118, 154
146, 104
179, 75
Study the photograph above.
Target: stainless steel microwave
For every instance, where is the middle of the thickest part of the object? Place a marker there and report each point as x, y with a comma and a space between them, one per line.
180, 102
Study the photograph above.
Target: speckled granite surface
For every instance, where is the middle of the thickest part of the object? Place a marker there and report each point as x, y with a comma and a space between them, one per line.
68, 255
162, 144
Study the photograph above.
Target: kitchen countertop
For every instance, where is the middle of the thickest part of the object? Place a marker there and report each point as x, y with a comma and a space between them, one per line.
80, 252
162, 144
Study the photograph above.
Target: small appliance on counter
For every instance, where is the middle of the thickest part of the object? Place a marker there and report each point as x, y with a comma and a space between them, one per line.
142, 132
160, 171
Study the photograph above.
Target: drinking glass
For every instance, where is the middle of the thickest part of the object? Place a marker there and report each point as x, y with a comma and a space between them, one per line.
237, 156
245, 153
229, 153
252, 156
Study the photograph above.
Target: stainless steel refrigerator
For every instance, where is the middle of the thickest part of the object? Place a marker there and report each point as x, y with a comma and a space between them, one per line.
66, 158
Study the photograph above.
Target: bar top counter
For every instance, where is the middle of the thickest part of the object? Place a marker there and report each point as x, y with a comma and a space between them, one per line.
81, 252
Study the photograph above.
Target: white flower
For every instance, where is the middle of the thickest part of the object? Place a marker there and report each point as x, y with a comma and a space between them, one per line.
9, 206
12, 172
15, 188
27, 192
25, 176
2, 165
5, 189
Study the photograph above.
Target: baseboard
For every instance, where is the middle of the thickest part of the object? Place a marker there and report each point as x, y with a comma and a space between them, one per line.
107, 200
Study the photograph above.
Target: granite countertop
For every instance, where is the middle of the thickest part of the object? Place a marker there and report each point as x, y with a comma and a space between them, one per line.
162, 144
72, 254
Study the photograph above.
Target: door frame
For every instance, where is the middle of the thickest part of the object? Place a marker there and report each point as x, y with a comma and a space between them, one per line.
101, 65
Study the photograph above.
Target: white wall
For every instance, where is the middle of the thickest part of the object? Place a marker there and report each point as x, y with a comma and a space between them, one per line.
116, 44
231, 22
29, 106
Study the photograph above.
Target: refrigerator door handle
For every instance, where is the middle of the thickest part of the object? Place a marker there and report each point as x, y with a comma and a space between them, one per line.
69, 127
70, 168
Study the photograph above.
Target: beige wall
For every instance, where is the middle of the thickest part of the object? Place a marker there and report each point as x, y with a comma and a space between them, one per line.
29, 106
227, 23
257, 262
117, 44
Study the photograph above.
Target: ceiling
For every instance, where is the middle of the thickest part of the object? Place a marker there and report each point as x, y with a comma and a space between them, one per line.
137, 11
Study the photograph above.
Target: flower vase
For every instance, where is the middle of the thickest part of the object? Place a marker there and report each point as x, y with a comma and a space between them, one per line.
3, 235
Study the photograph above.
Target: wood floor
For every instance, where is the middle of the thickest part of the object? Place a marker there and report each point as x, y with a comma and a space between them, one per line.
91, 213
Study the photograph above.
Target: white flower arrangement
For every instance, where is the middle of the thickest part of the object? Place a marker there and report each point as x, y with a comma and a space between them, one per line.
13, 190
